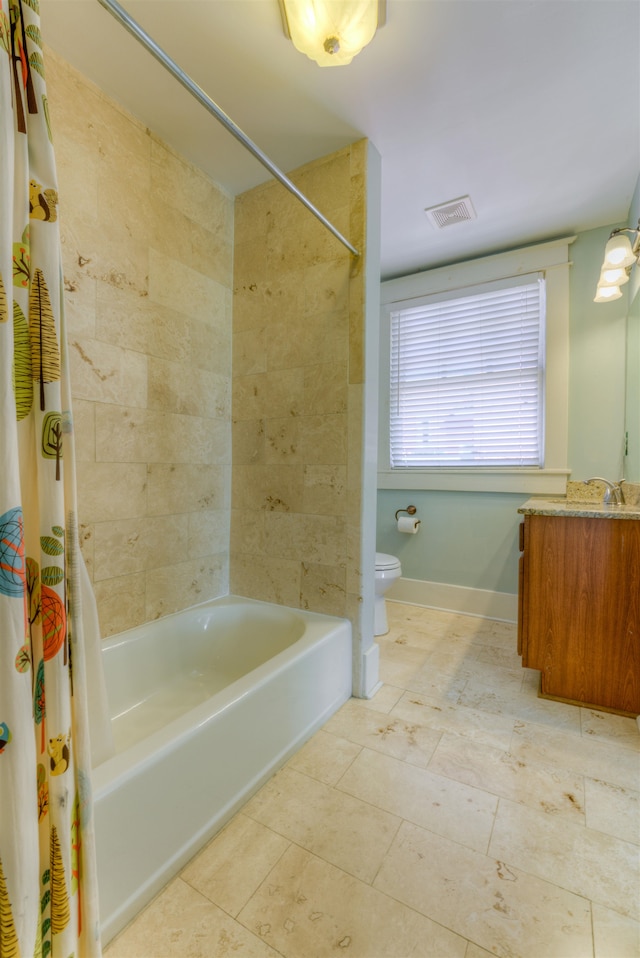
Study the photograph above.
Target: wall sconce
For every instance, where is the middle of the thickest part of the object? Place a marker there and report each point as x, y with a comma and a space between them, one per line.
620, 254
331, 32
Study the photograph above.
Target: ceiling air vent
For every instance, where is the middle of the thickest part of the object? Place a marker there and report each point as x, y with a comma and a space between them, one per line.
455, 211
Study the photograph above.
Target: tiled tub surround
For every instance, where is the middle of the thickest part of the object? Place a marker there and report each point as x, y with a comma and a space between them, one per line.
298, 380
455, 814
147, 245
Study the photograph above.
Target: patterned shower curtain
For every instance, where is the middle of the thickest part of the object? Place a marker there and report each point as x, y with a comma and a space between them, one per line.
48, 890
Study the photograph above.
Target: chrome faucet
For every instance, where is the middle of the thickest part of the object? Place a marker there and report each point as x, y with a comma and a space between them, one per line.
613, 490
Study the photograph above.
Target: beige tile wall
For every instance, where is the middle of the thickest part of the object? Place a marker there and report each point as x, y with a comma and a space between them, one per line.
147, 251
298, 320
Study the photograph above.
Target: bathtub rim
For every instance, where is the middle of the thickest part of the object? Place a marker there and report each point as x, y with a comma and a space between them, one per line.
109, 774
158, 853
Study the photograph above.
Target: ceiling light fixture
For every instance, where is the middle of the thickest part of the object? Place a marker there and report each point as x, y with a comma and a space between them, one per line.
620, 254
331, 32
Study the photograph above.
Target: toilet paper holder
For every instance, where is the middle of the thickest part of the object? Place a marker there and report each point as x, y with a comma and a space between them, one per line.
410, 510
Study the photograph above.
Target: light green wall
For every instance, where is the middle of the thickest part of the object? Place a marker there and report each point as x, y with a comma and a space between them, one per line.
597, 357
471, 539
632, 464
465, 538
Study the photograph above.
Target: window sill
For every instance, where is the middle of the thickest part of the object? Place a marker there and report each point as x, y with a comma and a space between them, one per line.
532, 481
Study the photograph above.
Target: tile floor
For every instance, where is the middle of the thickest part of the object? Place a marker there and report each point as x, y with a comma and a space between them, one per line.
454, 814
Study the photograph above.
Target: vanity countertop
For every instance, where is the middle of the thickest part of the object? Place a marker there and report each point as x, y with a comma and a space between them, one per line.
574, 507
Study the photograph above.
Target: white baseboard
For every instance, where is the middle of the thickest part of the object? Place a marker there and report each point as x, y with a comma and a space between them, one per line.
455, 598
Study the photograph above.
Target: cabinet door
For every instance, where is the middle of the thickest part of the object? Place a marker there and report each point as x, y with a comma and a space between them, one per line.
522, 618
582, 577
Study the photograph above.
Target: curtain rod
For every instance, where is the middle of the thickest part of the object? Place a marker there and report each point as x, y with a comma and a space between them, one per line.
136, 30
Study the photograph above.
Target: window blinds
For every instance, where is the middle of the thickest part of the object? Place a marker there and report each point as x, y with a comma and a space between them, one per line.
466, 386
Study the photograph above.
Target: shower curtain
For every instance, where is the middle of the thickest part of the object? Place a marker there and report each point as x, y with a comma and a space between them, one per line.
48, 888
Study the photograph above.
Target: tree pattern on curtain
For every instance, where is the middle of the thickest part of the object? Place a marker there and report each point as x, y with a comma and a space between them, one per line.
48, 893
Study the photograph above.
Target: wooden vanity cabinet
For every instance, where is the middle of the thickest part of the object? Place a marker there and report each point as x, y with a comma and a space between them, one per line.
579, 609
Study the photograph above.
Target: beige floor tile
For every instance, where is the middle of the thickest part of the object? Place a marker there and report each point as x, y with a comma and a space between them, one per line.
590, 757
466, 626
180, 922
530, 682
404, 790
437, 685
478, 673
398, 664
448, 808
418, 617
325, 757
410, 638
230, 868
488, 727
613, 810
384, 699
504, 658
599, 867
454, 655
500, 634
605, 726
614, 935
500, 773
408, 741
499, 908
310, 909
335, 826
523, 707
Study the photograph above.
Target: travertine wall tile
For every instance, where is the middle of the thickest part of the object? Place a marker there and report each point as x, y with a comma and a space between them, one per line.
188, 390
111, 490
325, 389
128, 319
298, 327
149, 258
121, 601
248, 533
250, 352
139, 435
248, 440
325, 489
181, 584
324, 441
138, 545
84, 430
266, 578
147, 244
208, 533
105, 373
180, 287
187, 487
267, 488
324, 587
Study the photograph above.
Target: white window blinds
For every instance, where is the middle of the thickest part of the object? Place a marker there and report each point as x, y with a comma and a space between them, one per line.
467, 377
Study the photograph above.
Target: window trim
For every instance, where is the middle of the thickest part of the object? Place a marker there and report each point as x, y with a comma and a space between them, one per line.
551, 259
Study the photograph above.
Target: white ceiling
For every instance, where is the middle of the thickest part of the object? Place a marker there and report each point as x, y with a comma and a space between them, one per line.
529, 106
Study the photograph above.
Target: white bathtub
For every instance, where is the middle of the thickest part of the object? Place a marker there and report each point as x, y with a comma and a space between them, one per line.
206, 705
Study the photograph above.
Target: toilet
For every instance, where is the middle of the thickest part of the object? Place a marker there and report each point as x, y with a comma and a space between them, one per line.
388, 569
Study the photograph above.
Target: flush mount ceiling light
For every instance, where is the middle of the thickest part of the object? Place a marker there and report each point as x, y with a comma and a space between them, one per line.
331, 32
620, 254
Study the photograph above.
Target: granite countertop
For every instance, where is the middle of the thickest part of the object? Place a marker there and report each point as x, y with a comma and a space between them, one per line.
553, 506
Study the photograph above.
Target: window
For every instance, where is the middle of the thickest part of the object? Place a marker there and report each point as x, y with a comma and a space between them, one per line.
467, 377
466, 409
